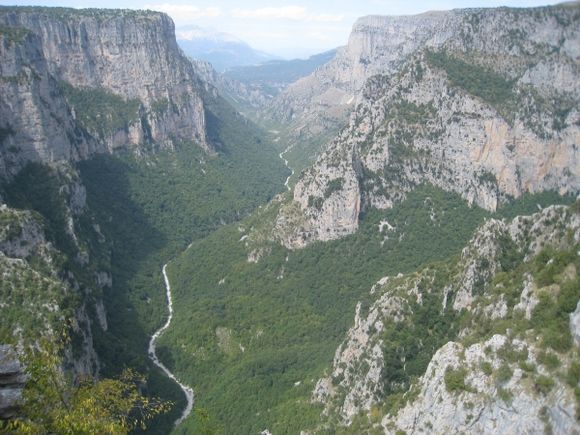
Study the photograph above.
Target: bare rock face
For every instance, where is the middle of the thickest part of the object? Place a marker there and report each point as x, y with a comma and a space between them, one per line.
575, 324
36, 122
479, 109
12, 380
500, 373
21, 234
376, 44
36, 293
438, 410
381, 45
62, 69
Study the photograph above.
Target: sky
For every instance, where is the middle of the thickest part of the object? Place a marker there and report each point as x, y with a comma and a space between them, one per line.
286, 28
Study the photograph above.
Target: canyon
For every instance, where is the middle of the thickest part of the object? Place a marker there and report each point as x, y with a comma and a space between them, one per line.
388, 244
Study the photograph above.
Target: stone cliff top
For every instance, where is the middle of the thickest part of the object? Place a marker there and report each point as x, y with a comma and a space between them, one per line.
69, 13
129, 60
381, 20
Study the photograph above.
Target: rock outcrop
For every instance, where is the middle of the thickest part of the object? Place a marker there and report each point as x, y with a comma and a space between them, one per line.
481, 409
38, 294
75, 82
504, 382
381, 45
485, 104
12, 380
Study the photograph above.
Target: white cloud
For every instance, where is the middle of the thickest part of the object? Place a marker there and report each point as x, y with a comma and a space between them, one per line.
295, 13
319, 36
326, 18
184, 12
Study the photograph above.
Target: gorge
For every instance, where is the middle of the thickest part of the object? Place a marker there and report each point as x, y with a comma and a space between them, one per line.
388, 244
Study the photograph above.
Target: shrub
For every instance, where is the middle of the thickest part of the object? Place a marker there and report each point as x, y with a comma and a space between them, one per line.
505, 395
455, 379
486, 368
527, 367
544, 384
333, 186
504, 373
549, 359
573, 375
484, 83
508, 353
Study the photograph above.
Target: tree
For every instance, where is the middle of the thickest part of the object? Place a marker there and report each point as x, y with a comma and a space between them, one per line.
53, 403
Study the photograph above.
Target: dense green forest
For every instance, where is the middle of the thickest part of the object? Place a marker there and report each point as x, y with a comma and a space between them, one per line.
255, 324
148, 209
152, 207
253, 338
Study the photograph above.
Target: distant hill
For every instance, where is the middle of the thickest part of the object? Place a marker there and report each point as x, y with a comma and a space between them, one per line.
279, 72
221, 49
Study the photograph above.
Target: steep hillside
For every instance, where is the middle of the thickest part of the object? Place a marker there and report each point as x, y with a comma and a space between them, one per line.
524, 44
282, 72
272, 77
107, 166
489, 121
486, 342
36, 298
76, 82
256, 324
254, 90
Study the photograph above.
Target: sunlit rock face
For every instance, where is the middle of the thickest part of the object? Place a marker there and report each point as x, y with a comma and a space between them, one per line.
128, 58
485, 401
482, 102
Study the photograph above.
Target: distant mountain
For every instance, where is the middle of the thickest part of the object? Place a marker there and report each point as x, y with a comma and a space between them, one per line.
253, 87
282, 72
221, 49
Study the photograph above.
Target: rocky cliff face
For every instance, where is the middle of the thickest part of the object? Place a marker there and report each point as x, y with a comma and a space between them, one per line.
75, 82
40, 293
498, 372
381, 45
490, 109
12, 380
376, 44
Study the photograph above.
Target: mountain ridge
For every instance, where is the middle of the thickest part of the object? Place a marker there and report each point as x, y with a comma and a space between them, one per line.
379, 45
221, 49
457, 132
69, 57
468, 117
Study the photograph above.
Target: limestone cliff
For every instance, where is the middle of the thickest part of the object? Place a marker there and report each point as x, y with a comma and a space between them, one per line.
381, 45
488, 106
39, 293
495, 369
12, 380
75, 82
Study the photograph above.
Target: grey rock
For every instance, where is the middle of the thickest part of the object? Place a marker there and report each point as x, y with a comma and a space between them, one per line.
12, 380
354, 383
130, 54
575, 324
381, 45
414, 125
